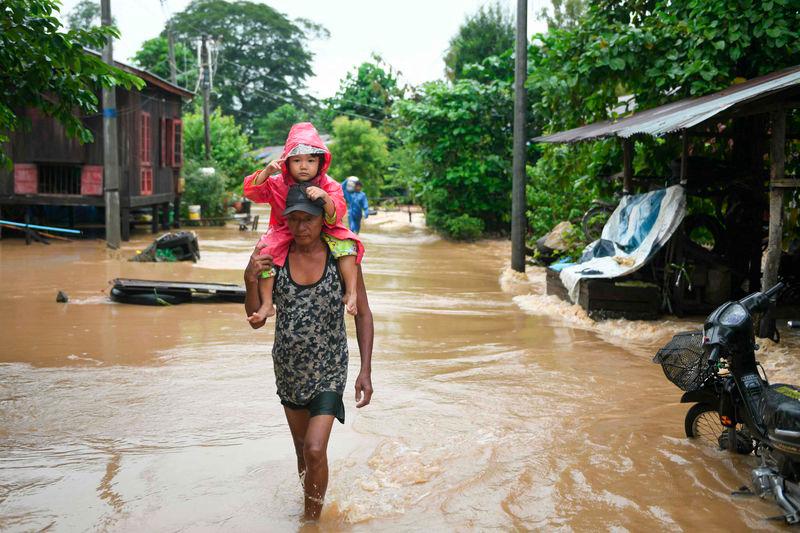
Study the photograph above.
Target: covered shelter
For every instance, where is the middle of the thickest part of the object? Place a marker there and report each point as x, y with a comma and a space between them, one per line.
751, 118
53, 173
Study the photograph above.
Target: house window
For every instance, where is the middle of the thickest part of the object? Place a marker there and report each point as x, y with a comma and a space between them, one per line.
146, 181
59, 179
145, 144
171, 142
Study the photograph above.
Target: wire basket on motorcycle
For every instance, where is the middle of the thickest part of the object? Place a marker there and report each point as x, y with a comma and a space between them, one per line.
683, 360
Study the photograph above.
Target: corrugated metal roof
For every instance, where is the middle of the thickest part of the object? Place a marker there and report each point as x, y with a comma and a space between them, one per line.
682, 114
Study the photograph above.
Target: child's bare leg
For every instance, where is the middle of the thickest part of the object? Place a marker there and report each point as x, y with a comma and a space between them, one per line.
349, 269
267, 308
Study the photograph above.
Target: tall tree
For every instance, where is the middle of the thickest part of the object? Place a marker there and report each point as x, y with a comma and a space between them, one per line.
44, 67
153, 56
261, 56
489, 32
85, 14
368, 91
564, 15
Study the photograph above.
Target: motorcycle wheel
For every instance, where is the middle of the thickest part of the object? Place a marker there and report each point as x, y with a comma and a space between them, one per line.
702, 423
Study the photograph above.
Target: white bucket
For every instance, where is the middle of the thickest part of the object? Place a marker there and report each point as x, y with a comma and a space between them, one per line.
194, 212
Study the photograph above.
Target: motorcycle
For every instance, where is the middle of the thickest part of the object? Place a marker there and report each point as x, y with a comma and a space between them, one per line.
735, 406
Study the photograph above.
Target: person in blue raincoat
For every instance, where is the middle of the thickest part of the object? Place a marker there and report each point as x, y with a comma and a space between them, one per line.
348, 188
358, 207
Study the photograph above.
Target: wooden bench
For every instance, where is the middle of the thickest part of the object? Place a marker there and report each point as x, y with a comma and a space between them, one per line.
611, 298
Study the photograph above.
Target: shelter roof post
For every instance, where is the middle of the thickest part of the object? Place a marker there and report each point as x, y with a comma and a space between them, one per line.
776, 174
627, 166
684, 157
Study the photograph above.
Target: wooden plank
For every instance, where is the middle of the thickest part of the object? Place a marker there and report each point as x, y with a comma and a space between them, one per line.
786, 183
51, 199
129, 283
151, 199
611, 290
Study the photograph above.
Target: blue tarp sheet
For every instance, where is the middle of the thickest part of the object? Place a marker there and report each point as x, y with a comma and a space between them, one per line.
636, 230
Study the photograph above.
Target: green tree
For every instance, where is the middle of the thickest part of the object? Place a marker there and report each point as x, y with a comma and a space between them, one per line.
565, 14
359, 149
86, 15
153, 56
44, 67
229, 146
461, 134
369, 91
489, 32
261, 57
273, 128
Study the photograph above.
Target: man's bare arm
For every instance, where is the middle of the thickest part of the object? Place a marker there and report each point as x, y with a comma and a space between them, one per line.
255, 266
365, 333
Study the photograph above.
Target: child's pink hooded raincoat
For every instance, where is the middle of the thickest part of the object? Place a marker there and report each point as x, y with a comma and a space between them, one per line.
274, 190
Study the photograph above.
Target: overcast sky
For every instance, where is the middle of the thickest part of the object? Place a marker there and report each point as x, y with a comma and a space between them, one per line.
410, 35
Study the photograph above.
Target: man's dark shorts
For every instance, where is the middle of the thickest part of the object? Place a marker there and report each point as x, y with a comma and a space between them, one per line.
324, 403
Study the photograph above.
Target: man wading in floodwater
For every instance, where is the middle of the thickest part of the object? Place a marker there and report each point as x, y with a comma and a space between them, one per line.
310, 349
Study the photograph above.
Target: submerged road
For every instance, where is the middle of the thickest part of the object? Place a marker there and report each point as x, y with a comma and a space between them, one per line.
491, 411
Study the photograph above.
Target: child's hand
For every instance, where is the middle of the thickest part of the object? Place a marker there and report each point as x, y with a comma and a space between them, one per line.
274, 167
315, 193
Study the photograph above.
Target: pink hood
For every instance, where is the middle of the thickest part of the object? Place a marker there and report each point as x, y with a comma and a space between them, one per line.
305, 133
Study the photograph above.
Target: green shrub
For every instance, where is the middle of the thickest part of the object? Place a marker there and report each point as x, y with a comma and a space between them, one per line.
206, 191
463, 228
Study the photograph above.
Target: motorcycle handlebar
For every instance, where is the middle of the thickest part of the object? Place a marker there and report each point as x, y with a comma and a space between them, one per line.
778, 287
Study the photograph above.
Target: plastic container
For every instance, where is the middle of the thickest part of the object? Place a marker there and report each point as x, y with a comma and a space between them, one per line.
194, 212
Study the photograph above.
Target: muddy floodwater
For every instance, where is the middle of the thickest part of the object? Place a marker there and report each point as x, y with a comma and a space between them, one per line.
495, 407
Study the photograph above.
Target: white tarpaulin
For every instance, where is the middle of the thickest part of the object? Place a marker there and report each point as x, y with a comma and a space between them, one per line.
639, 226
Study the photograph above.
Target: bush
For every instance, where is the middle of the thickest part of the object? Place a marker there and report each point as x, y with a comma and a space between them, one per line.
206, 191
463, 228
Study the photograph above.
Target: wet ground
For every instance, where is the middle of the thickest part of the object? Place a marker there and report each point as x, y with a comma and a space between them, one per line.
495, 407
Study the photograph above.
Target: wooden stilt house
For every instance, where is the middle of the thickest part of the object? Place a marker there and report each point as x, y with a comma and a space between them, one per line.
52, 169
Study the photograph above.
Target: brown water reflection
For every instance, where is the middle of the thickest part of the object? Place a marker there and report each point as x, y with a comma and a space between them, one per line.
487, 414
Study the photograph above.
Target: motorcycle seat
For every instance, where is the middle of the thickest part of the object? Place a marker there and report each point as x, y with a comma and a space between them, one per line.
781, 409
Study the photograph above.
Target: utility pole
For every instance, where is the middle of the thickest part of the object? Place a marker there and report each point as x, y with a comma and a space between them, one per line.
206, 87
519, 222
173, 69
110, 149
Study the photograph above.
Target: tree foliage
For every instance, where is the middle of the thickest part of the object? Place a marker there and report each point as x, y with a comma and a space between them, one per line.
489, 32
657, 51
273, 129
229, 146
153, 56
359, 149
44, 67
369, 91
263, 57
564, 15
462, 137
85, 15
